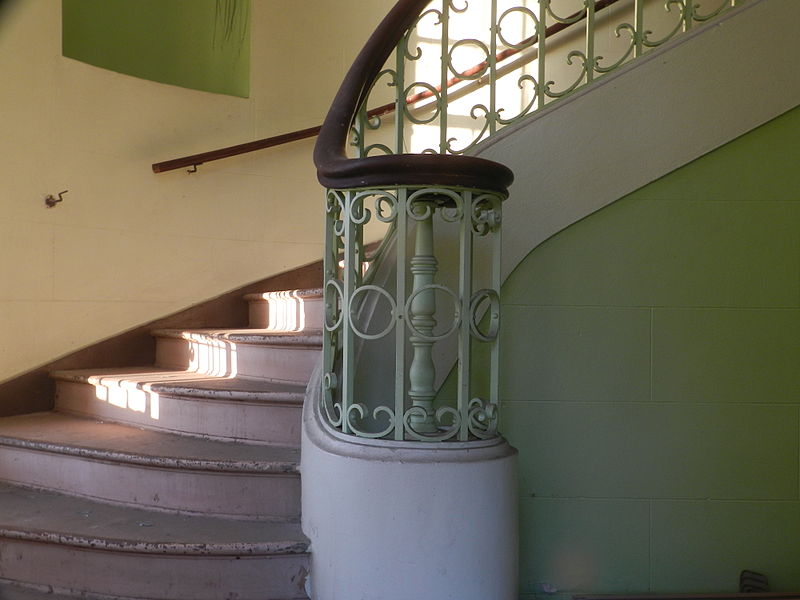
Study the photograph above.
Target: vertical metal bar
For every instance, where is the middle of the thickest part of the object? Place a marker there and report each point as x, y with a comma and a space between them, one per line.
464, 335
493, 70
445, 47
348, 337
400, 325
360, 126
639, 21
688, 14
590, 30
400, 95
494, 393
541, 35
329, 267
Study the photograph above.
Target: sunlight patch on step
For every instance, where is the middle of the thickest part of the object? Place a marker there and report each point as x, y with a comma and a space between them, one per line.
127, 394
285, 311
211, 356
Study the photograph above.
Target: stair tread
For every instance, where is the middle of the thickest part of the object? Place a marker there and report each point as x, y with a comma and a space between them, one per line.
98, 440
50, 517
312, 337
187, 383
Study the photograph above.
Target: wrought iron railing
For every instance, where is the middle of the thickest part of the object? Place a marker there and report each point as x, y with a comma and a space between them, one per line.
472, 67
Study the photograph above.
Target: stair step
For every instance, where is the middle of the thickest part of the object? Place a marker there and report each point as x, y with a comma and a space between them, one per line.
256, 353
238, 408
135, 466
292, 310
99, 548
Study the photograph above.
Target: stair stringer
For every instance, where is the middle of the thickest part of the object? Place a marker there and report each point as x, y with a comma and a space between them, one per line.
652, 116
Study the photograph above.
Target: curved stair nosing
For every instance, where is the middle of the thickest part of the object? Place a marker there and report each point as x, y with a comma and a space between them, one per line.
223, 494
271, 423
138, 574
188, 389
159, 462
227, 549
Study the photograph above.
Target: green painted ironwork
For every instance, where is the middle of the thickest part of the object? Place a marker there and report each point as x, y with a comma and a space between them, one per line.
451, 93
413, 325
511, 73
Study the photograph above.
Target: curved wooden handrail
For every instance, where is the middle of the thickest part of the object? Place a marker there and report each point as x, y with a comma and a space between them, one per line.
336, 170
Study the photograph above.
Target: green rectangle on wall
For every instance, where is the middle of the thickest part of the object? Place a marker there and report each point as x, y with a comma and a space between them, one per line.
198, 44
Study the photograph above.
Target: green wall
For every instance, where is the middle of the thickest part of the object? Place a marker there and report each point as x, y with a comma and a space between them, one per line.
198, 44
651, 382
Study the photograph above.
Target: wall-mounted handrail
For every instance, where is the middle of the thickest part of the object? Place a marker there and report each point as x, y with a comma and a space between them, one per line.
203, 157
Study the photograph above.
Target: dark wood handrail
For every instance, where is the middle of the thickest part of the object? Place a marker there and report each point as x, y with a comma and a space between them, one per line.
336, 170
198, 159
195, 160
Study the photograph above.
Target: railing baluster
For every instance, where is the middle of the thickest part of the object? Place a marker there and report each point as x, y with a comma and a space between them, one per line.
465, 335
493, 70
541, 34
688, 14
400, 97
590, 31
400, 323
348, 341
422, 373
444, 76
639, 26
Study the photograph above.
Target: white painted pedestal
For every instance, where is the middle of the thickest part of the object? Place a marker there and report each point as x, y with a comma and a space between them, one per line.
401, 520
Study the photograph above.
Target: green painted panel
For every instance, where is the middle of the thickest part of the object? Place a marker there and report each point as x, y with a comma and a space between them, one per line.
640, 252
726, 355
584, 546
199, 44
575, 354
758, 166
702, 546
712, 251
652, 450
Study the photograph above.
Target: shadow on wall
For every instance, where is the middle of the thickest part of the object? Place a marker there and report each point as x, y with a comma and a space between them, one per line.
5, 10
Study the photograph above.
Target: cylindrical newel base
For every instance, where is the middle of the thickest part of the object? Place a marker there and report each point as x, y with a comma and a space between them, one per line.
401, 520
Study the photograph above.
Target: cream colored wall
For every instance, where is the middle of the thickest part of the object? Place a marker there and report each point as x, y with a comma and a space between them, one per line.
127, 246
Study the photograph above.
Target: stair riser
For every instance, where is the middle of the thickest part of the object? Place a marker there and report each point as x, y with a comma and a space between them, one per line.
291, 316
231, 494
277, 424
290, 364
154, 576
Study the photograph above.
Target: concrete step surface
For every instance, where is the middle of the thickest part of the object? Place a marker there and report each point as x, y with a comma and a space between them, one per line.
229, 408
10, 590
77, 545
135, 466
257, 353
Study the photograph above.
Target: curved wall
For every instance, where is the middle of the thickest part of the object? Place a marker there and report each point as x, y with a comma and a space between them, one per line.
650, 382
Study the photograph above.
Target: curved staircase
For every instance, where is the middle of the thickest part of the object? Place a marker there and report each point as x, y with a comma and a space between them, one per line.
178, 481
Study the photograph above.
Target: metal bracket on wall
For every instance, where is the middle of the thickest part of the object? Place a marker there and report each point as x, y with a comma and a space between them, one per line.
51, 200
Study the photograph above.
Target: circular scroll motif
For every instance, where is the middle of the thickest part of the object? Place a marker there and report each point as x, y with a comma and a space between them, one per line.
456, 313
393, 312
475, 303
